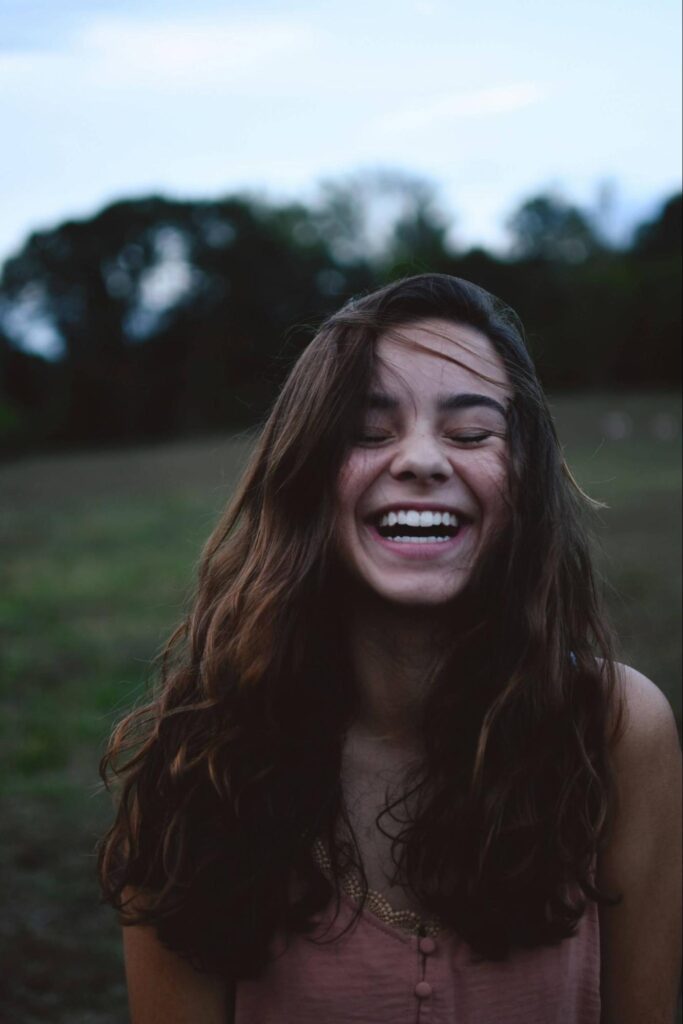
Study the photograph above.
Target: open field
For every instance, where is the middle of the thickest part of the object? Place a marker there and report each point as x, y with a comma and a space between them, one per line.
98, 552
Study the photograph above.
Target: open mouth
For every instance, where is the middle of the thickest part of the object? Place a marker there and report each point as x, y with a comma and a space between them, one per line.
413, 527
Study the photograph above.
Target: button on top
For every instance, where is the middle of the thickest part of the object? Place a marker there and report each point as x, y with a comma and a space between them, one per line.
427, 945
423, 990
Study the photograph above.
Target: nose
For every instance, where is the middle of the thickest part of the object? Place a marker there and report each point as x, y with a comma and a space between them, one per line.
421, 457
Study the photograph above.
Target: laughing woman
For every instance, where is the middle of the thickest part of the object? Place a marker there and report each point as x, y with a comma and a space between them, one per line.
392, 771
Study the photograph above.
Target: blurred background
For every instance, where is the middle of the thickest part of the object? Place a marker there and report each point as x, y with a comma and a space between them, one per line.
186, 193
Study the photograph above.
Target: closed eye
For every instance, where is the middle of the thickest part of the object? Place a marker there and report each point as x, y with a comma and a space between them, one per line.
474, 438
468, 439
371, 438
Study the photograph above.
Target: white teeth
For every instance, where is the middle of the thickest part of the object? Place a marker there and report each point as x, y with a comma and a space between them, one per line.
421, 540
411, 517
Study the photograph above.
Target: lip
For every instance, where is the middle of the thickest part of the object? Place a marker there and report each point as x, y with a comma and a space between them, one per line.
419, 552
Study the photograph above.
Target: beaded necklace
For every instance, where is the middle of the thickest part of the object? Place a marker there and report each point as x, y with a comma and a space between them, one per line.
407, 920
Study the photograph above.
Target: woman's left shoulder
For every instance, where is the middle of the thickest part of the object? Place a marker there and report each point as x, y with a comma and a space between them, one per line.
640, 937
648, 727
645, 755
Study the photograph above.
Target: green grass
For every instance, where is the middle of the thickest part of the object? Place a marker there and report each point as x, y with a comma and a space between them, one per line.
638, 534
98, 556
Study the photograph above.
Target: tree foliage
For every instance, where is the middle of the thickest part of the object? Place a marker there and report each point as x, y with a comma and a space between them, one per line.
157, 317
547, 228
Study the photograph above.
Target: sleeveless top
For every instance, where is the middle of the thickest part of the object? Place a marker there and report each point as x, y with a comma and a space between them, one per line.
392, 967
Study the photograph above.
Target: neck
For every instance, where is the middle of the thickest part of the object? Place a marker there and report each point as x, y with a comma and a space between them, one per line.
393, 651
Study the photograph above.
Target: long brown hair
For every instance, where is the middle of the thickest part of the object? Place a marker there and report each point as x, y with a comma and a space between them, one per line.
231, 771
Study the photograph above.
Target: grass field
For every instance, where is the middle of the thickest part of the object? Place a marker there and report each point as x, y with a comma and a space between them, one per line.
98, 552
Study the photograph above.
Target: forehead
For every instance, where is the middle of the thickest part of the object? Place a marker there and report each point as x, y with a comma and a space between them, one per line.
439, 355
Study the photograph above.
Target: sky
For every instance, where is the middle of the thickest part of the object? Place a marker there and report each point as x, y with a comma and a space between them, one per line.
492, 101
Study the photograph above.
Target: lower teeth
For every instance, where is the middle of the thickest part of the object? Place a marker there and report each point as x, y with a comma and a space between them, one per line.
420, 540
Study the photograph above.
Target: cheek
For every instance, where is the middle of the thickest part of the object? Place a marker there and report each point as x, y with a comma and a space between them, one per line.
347, 488
490, 481
499, 493
348, 493
355, 476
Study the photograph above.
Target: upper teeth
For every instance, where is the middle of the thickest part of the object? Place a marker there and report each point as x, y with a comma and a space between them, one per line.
410, 517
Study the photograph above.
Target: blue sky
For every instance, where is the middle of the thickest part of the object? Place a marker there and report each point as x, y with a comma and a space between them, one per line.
491, 101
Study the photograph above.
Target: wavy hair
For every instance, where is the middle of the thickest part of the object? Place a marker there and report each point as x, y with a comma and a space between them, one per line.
226, 776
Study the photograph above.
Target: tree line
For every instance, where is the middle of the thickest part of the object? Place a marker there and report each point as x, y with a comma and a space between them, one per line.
159, 318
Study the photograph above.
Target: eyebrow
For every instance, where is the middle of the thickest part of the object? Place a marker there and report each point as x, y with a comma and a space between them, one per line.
444, 403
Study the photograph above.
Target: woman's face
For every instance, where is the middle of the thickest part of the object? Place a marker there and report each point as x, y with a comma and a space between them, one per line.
422, 490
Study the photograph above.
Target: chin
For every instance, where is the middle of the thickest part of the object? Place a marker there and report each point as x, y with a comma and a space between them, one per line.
411, 597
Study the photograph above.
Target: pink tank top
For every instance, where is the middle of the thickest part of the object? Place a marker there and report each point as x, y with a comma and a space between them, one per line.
378, 973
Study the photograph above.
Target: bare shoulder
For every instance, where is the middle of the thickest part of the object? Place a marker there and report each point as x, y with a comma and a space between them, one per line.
640, 862
164, 987
648, 725
646, 759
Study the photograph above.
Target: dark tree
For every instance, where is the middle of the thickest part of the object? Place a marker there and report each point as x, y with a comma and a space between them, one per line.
161, 317
662, 236
548, 228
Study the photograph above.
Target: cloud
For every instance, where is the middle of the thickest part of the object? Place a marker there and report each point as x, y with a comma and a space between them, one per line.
481, 103
125, 53
197, 51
